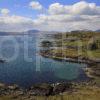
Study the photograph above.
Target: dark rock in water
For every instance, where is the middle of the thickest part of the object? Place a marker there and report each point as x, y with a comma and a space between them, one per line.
2, 61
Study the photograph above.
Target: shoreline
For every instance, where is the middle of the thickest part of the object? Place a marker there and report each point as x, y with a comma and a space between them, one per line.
71, 59
43, 89
90, 64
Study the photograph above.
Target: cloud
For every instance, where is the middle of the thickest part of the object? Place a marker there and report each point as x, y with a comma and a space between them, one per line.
67, 22
57, 8
80, 8
15, 23
81, 15
35, 5
60, 18
5, 11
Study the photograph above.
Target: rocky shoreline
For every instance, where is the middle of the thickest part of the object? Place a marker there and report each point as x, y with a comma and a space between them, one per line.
72, 59
43, 89
40, 89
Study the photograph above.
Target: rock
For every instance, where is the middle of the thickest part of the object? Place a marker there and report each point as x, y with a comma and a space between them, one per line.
2, 61
13, 87
59, 88
62, 87
40, 89
19, 92
2, 85
43, 89
3, 89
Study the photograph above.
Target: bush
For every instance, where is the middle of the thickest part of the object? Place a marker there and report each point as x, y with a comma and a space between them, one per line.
93, 46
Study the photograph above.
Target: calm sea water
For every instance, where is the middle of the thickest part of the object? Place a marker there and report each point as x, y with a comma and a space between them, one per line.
25, 67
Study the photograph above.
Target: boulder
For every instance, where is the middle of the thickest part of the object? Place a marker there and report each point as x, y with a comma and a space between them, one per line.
3, 89
13, 87
42, 89
61, 87
2, 85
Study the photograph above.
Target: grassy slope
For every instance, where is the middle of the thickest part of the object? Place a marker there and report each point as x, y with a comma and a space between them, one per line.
81, 40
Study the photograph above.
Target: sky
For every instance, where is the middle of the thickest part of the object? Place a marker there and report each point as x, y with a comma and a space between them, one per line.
49, 15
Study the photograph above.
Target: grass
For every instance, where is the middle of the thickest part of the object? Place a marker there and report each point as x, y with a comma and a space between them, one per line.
95, 53
74, 52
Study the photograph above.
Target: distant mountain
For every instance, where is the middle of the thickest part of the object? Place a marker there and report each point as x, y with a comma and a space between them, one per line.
85, 30
19, 33
8, 33
33, 31
98, 30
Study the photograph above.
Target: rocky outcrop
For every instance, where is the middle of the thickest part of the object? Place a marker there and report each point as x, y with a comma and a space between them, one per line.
42, 89
10, 90
61, 87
